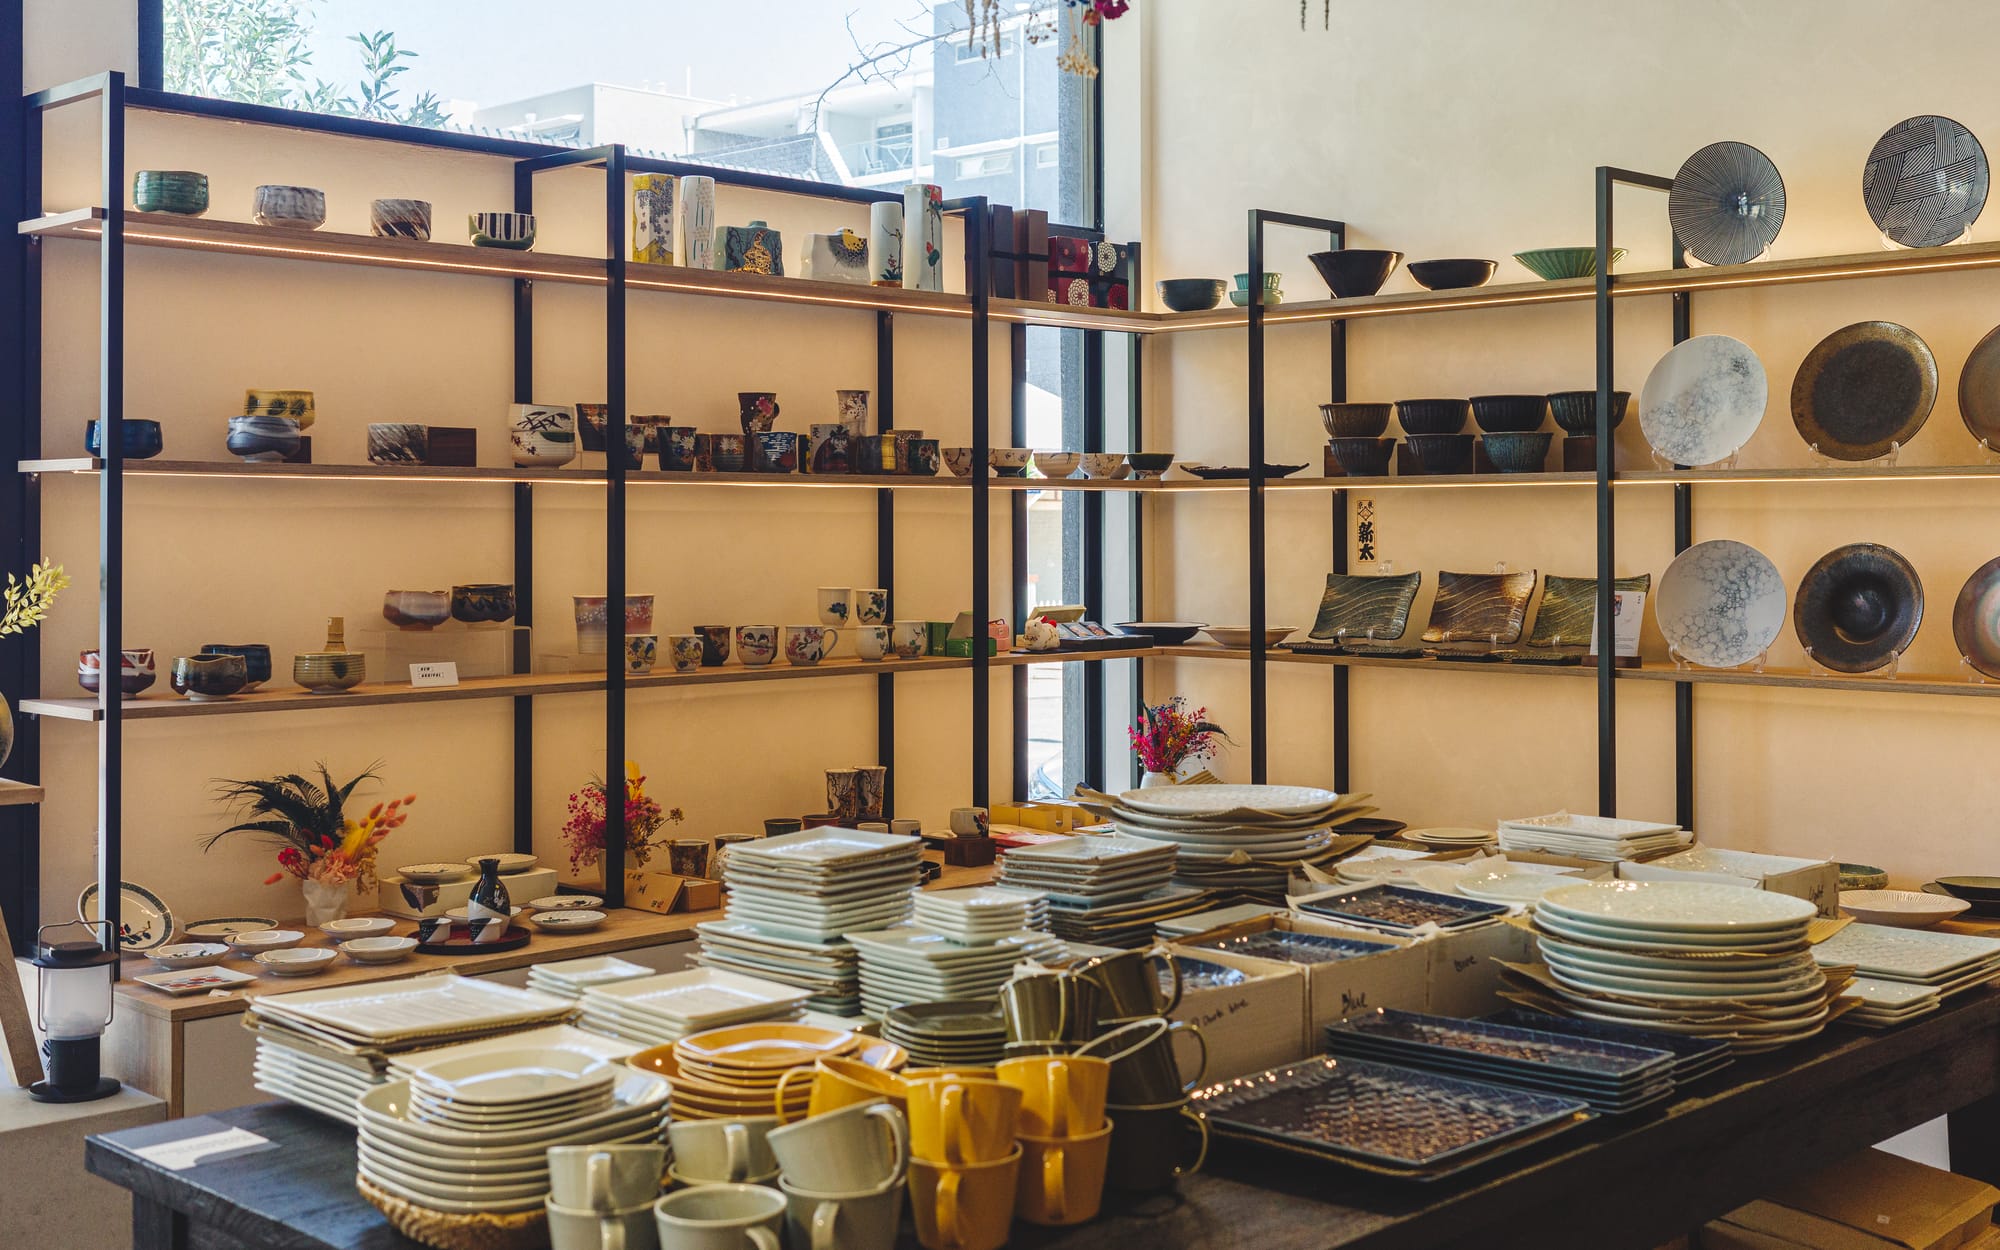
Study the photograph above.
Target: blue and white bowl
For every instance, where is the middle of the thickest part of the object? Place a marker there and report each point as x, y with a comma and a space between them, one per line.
263, 440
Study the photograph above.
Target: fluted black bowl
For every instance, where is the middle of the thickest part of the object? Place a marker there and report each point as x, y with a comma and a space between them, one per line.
1432, 416
1507, 413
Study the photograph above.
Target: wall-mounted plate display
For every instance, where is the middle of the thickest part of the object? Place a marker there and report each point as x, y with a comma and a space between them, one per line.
1727, 203
1703, 400
1975, 619
1366, 607
1480, 607
1979, 389
1925, 181
1721, 603
1858, 607
1864, 390
1569, 605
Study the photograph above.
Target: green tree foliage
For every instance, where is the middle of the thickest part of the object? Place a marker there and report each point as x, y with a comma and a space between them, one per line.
257, 51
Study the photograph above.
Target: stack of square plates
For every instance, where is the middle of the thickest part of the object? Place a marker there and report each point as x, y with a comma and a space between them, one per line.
1906, 973
569, 978
658, 1010
911, 965
828, 971
1694, 1057
952, 1034
1611, 1076
1606, 838
1108, 889
976, 915
1242, 838
1400, 909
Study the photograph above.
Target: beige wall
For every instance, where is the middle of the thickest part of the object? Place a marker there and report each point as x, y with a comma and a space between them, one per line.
1448, 129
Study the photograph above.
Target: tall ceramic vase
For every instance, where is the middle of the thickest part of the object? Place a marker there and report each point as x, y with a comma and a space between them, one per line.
698, 222
923, 237
653, 219
885, 244
489, 910
324, 901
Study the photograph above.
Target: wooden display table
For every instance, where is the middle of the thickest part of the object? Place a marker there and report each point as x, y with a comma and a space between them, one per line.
1620, 1183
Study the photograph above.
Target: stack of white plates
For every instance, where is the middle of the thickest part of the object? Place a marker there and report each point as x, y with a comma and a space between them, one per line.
487, 1161
1450, 839
1129, 924
1106, 889
1905, 973
828, 971
1521, 885
976, 915
1684, 957
1242, 838
912, 965
660, 1010
1606, 838
511, 1088
569, 978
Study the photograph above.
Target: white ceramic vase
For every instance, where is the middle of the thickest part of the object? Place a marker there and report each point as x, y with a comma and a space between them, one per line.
697, 213
885, 244
923, 237
324, 902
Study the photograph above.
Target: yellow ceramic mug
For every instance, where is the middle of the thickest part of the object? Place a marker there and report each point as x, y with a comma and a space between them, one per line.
968, 1208
1062, 1178
841, 1083
958, 1122
1061, 1095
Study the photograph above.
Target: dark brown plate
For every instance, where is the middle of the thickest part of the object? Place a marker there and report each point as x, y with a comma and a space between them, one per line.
1975, 618
1857, 606
1971, 889
1223, 472
1569, 605
1979, 389
1863, 388
1480, 607
1359, 604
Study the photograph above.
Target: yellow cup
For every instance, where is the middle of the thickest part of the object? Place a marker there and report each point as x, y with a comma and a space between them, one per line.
1062, 1178
1061, 1095
960, 1122
838, 1083
968, 1208
932, 1074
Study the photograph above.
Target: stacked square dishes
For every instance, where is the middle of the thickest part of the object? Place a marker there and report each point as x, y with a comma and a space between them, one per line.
1906, 973
1681, 957
322, 1049
569, 978
662, 1009
1606, 838
1694, 1057
805, 890
912, 965
1107, 889
978, 914
1285, 946
1400, 909
1246, 840
829, 972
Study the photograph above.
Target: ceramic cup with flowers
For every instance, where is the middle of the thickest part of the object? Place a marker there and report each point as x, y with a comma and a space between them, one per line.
686, 651
871, 606
909, 638
809, 644
871, 642
642, 651
714, 645
757, 645
757, 410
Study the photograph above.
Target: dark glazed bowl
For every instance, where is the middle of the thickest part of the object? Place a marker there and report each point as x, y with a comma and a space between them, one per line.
1150, 462
1452, 275
1518, 452
1190, 294
1576, 411
1432, 416
1509, 413
256, 659
1362, 457
1163, 633
1441, 453
203, 677
142, 440
482, 601
1355, 420
1355, 271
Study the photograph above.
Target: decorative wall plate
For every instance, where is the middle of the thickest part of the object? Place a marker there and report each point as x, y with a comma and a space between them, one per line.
1359, 604
1569, 605
1727, 203
144, 920
1979, 389
1863, 388
1975, 618
1925, 181
1721, 603
1703, 400
1857, 606
1480, 607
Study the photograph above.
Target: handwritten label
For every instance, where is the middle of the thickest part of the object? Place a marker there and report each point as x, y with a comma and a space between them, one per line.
442, 673
178, 1156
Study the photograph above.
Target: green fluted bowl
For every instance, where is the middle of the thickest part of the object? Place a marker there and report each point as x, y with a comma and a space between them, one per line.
1556, 263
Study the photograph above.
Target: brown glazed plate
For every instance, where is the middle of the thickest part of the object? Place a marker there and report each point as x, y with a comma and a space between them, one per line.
1979, 390
1975, 619
1360, 604
1858, 606
1480, 607
1863, 388
1569, 606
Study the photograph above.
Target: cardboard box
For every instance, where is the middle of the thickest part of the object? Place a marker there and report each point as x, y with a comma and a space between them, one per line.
1815, 881
1464, 972
1868, 1201
664, 893
1043, 817
1395, 977
1257, 1024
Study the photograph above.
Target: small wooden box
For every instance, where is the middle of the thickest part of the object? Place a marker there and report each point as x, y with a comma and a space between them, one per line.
665, 893
968, 852
453, 447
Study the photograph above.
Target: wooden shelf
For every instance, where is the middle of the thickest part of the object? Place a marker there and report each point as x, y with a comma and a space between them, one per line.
1446, 481
1809, 473
317, 472
19, 793
1199, 651
1800, 679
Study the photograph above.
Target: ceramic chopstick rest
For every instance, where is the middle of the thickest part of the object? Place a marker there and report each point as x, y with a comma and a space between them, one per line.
885, 244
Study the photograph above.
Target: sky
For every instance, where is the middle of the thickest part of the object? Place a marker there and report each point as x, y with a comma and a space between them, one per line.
494, 51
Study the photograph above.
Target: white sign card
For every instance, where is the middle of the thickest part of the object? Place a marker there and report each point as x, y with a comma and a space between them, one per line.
439, 673
1628, 613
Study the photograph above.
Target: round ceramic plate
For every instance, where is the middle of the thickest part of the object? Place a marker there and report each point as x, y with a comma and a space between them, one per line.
1975, 619
1857, 606
1240, 635
1979, 390
511, 862
1512, 887
1904, 909
1721, 603
1195, 800
1727, 203
1925, 181
1864, 390
224, 926
433, 874
144, 921
1697, 907
1703, 400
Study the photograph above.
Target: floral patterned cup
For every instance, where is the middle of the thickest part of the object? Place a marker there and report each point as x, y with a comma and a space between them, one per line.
871, 606
774, 451
757, 645
871, 642
686, 652
642, 651
757, 410
908, 639
833, 605
809, 644
714, 645
677, 450
591, 620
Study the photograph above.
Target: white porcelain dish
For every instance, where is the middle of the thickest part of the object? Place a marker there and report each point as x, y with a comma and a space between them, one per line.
1721, 603
1697, 907
145, 921
254, 940
567, 921
1208, 800
1703, 400
565, 902
357, 927
217, 928
378, 949
189, 954
199, 980
295, 961
1902, 909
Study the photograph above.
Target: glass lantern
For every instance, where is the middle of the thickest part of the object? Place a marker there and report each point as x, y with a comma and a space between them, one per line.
75, 976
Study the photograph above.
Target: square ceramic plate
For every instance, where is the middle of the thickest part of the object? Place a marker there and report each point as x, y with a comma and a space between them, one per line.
392, 1011
195, 980
1905, 954
823, 847
702, 994
1096, 850
1400, 908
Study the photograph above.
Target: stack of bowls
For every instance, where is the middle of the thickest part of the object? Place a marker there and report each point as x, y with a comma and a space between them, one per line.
1354, 437
1239, 295
1431, 428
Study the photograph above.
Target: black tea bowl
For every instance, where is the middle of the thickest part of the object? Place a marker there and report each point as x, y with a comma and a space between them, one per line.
1190, 294
1355, 271
1576, 411
1362, 457
1509, 413
1432, 416
141, 439
1441, 453
1451, 275
1355, 420
1517, 451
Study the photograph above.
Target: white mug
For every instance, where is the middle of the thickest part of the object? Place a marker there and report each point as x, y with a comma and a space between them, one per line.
720, 1217
833, 606
605, 1178
871, 642
855, 1149
573, 1229
864, 1221
723, 1150
809, 644
756, 645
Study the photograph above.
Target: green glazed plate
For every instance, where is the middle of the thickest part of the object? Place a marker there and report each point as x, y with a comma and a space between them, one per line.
1569, 603
1359, 604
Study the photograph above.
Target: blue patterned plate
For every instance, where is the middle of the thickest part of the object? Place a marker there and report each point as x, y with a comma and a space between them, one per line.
144, 920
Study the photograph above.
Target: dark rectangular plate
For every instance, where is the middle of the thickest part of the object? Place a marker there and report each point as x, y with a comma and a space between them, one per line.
1550, 1054
1398, 907
1691, 1054
1296, 948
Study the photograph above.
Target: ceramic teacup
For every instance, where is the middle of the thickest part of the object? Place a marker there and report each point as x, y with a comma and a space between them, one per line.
723, 1150
871, 642
774, 451
1272, 281
688, 857
676, 443
757, 410
714, 645
1131, 982
207, 677
970, 822
843, 795
400, 218
853, 407
856, 1221
958, 460
908, 639
574, 1228
920, 457
1144, 1071
685, 651
1050, 1007
829, 448
1150, 1147
809, 644
1061, 1095
1062, 1178
958, 1122
1056, 463
964, 1208
642, 651
871, 782
1009, 461
606, 1178
136, 670
1105, 464
721, 1217
833, 605
854, 1149
256, 661
730, 451
871, 606
757, 645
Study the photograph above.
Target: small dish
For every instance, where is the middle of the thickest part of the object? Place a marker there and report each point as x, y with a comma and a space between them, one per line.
564, 902
568, 920
1240, 296
295, 961
194, 980
266, 940
511, 862
1240, 635
1163, 633
189, 954
222, 928
357, 927
1901, 909
379, 949
433, 874
1451, 275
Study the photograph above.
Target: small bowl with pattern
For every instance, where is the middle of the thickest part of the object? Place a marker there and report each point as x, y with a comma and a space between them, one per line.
189, 954
1452, 275
1240, 296
1272, 281
357, 927
1190, 294
1506, 414
263, 440
256, 659
1355, 271
1108, 466
1576, 411
1355, 420
207, 678
1441, 453
1901, 909
1518, 451
1862, 877
1009, 461
136, 672
400, 219
1432, 416
140, 439
1362, 457
329, 672
180, 191
398, 442
1553, 264
379, 948
959, 461
567, 920
296, 961
477, 603
253, 941
512, 231
298, 405
1056, 463
416, 609
293, 208
1150, 465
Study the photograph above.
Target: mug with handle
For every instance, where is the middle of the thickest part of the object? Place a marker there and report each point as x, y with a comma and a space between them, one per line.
571, 1228
852, 1150
1131, 982
1144, 1070
723, 1151
809, 644
1061, 1095
859, 1221
965, 1208
1062, 1178
720, 1217
605, 1178
839, 1082
957, 1122
1147, 1146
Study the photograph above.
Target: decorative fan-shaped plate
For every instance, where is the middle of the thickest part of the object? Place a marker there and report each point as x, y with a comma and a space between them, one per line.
1703, 400
1721, 603
1864, 388
1925, 181
1480, 607
1727, 204
1857, 606
1569, 604
1975, 618
1979, 389
1357, 605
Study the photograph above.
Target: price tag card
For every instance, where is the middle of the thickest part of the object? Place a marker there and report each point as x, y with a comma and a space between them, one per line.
1628, 613
441, 673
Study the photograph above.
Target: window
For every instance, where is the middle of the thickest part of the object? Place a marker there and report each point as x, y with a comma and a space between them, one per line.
1047, 155
987, 165
970, 52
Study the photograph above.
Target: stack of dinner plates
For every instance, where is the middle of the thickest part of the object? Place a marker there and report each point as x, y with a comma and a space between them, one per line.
914, 965
1450, 838
1606, 838
740, 1070
569, 978
1703, 959
1246, 839
662, 1009
1906, 973
1098, 885
1519, 885
828, 971
958, 1033
975, 915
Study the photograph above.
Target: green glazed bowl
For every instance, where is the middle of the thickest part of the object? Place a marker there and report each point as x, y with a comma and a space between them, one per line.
1862, 877
1556, 263
170, 191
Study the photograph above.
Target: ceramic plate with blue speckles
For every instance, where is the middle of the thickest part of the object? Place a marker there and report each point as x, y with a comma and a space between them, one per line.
1703, 400
1721, 603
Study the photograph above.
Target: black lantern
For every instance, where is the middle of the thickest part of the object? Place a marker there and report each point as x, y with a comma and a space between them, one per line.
73, 1005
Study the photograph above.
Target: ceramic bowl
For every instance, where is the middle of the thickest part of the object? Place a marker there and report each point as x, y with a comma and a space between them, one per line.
1105, 465
1164, 633
297, 961
1556, 263
482, 601
1240, 635
141, 439
1272, 281
416, 609
398, 442
1901, 909
1518, 451
189, 954
1432, 416
1862, 877
1355, 420
256, 659
1355, 271
298, 405
1241, 297
959, 461
567, 920
1451, 275
357, 927
263, 440
135, 675
1009, 461
254, 940
207, 677
300, 208
1509, 413
1057, 463
401, 219
1190, 294
329, 672
180, 191
1972, 889
1362, 457
1441, 453
513, 231
380, 949
1576, 411
1150, 464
